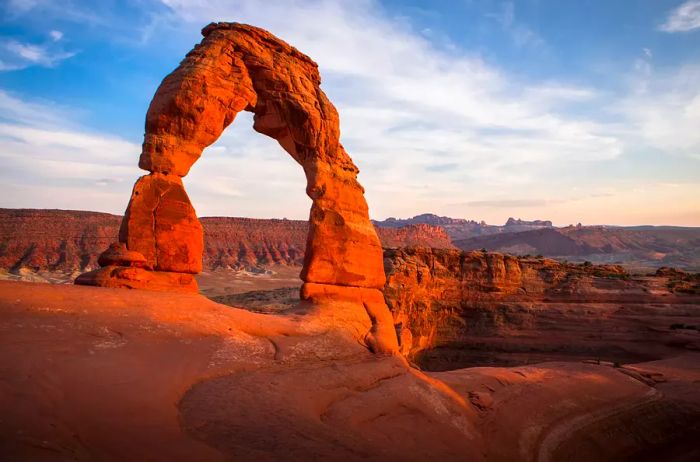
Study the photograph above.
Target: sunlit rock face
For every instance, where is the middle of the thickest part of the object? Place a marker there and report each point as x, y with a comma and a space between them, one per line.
455, 309
238, 67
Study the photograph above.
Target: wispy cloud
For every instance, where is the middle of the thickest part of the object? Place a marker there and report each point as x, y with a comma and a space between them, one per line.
684, 18
16, 55
50, 161
521, 35
664, 111
510, 203
16, 110
428, 123
70, 10
56, 35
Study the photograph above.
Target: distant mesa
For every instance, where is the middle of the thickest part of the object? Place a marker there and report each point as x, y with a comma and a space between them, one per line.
461, 228
513, 222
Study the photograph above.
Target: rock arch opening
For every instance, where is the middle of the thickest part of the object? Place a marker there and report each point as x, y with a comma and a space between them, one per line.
238, 68
244, 174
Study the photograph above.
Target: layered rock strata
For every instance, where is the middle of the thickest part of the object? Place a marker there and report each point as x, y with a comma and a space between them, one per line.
457, 309
64, 242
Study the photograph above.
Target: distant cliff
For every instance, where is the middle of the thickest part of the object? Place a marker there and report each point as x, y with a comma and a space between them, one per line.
70, 241
54, 240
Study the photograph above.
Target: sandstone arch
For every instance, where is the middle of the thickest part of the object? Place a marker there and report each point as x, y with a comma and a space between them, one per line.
238, 67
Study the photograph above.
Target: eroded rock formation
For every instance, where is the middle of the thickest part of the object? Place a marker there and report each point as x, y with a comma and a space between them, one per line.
238, 67
459, 309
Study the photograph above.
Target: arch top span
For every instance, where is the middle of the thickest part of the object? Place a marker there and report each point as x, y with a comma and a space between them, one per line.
236, 68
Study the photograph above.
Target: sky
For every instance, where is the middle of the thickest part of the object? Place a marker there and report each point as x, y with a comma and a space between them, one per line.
572, 111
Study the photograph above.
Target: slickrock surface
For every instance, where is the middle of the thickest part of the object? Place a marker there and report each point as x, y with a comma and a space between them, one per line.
70, 241
104, 374
457, 309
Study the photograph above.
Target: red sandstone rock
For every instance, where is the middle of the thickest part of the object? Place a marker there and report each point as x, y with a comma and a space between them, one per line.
417, 235
122, 277
54, 240
381, 337
161, 224
181, 378
118, 255
457, 309
238, 67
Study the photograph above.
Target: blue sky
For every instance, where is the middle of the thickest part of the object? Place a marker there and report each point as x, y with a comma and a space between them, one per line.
574, 111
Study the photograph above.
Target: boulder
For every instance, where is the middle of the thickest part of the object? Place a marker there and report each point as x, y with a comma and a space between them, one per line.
118, 255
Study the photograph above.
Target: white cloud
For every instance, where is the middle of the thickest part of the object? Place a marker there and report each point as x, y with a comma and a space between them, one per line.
58, 9
684, 18
520, 34
38, 113
15, 55
664, 112
247, 174
56, 35
47, 161
21, 6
